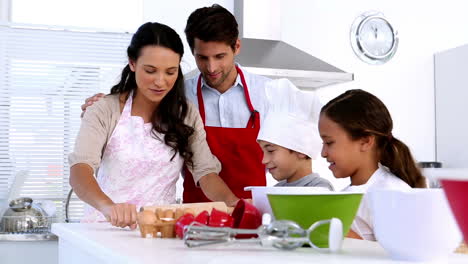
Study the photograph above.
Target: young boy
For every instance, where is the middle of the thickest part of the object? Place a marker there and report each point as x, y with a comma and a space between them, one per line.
289, 135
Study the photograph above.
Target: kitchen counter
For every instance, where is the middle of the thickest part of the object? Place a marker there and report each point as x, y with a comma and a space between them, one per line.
102, 243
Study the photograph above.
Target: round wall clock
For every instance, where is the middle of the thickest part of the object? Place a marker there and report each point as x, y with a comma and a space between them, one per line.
373, 39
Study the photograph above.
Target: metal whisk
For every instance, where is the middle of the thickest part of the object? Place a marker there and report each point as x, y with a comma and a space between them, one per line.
282, 234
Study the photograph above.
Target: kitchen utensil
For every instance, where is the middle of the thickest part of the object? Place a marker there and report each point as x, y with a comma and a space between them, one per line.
25, 217
15, 189
220, 219
426, 168
415, 224
282, 234
246, 215
308, 208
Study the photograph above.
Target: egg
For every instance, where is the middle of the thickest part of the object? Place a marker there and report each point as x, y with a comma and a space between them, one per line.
169, 213
146, 217
147, 223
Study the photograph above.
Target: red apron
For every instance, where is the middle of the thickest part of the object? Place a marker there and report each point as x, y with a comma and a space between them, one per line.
237, 150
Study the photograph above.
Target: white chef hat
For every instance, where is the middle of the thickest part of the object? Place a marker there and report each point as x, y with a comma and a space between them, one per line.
291, 120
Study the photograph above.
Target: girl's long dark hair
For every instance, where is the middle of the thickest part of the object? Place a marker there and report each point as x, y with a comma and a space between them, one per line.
362, 114
169, 117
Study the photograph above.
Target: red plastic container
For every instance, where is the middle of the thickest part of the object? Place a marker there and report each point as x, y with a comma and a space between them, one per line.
220, 219
246, 215
456, 191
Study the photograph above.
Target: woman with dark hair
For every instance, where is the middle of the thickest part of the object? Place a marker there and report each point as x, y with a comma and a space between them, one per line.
232, 102
356, 129
141, 135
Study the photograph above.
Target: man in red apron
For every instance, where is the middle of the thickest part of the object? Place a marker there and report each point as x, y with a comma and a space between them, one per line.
223, 93
231, 101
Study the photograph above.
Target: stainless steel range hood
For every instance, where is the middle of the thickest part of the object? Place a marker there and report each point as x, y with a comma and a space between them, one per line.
263, 52
277, 59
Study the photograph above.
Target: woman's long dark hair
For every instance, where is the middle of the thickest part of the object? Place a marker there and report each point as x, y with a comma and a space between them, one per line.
169, 117
362, 114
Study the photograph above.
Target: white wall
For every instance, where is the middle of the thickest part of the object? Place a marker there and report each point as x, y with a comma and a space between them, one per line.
405, 84
5, 10
108, 15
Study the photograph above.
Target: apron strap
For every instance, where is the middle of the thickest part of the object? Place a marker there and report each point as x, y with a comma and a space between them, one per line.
201, 105
254, 120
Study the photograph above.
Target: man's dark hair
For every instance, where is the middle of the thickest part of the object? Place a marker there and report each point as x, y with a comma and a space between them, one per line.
214, 23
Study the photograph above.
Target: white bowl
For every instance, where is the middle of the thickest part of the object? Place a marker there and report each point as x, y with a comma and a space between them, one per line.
260, 199
415, 225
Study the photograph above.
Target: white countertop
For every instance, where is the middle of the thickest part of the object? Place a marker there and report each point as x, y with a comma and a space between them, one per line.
106, 244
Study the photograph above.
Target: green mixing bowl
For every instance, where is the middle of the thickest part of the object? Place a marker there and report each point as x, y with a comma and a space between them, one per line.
306, 209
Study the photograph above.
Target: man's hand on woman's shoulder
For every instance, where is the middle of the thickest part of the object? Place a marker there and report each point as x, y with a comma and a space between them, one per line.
90, 101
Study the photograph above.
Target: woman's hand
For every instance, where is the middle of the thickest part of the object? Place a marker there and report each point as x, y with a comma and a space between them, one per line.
121, 215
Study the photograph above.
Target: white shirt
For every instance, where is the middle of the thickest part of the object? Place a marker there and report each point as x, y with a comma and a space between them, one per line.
381, 179
229, 109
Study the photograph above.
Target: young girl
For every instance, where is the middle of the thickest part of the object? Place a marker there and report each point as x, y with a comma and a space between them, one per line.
141, 135
356, 129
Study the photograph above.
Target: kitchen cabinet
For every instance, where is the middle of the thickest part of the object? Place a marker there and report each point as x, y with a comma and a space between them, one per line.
27, 252
102, 243
451, 107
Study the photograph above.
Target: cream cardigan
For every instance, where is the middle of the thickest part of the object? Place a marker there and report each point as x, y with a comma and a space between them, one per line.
102, 117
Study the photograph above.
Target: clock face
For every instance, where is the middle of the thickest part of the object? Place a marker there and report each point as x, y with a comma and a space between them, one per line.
373, 39
376, 37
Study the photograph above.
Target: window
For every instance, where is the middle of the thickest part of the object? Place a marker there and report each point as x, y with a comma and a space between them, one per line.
120, 15
50, 61
45, 76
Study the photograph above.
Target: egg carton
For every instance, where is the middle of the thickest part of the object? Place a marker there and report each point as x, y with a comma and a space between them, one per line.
160, 223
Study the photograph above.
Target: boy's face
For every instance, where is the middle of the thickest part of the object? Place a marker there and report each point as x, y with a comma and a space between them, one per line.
281, 162
215, 60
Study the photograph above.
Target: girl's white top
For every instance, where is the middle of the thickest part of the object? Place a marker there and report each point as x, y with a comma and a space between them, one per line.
381, 179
